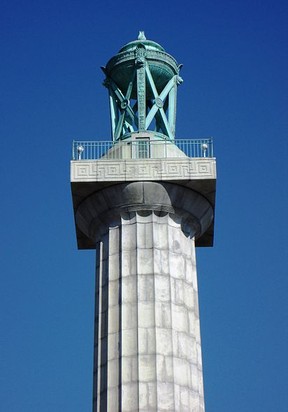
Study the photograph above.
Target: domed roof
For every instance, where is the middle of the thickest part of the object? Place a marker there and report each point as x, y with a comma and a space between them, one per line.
149, 44
121, 67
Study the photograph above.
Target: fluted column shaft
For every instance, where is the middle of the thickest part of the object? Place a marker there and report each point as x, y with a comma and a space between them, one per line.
147, 335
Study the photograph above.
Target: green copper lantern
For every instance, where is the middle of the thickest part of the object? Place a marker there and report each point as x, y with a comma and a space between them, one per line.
142, 81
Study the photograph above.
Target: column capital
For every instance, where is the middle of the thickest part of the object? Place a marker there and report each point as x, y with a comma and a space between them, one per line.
106, 206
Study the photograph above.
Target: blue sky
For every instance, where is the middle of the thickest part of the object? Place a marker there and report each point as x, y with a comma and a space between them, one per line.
235, 62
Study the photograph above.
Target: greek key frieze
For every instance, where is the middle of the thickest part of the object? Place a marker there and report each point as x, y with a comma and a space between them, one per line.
138, 170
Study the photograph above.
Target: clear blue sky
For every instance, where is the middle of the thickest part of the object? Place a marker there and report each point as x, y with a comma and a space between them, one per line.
235, 89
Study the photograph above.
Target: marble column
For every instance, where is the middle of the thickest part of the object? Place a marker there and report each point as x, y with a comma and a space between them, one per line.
147, 333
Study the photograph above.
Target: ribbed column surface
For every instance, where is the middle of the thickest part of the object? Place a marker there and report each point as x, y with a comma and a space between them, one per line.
147, 334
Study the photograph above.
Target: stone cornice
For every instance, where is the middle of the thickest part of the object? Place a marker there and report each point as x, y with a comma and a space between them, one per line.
146, 169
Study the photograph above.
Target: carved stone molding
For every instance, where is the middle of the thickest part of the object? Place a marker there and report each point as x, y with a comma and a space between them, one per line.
148, 169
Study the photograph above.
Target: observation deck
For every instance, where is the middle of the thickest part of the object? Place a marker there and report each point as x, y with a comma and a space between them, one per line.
142, 148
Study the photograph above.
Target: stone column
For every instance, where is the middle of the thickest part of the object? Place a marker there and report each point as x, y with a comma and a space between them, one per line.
147, 333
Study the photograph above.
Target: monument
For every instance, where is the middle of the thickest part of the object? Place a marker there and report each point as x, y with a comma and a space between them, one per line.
144, 201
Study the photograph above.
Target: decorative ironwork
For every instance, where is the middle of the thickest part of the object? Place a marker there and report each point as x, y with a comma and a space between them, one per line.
141, 148
142, 81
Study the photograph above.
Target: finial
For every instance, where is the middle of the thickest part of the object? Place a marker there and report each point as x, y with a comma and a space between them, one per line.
141, 35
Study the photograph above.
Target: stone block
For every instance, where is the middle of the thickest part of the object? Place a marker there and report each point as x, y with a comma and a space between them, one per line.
175, 343
160, 236
146, 288
147, 368
164, 341
151, 341
157, 264
163, 316
129, 396
179, 291
129, 369
162, 288
146, 341
196, 404
129, 342
145, 236
176, 243
194, 378
113, 373
189, 295
186, 245
145, 233
152, 396
113, 293
181, 368
184, 399
164, 262
113, 319
113, 399
145, 263
113, 346
165, 368
177, 398
129, 289
190, 271
186, 347
143, 396
176, 265
128, 237
114, 267
129, 263
165, 396
179, 318
129, 316
146, 315
142, 341
194, 325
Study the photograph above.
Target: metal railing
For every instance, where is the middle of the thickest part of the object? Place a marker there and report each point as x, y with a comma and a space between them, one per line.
141, 149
